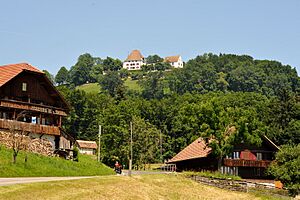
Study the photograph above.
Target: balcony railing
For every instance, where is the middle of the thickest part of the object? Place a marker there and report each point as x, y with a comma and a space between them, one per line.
32, 107
29, 127
246, 163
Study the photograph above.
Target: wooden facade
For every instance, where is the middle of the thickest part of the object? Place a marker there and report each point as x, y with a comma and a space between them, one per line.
29, 102
247, 161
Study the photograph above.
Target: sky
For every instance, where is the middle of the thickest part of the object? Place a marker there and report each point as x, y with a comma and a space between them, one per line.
51, 34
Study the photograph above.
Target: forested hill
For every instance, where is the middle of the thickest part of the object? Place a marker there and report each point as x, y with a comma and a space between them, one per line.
211, 94
211, 72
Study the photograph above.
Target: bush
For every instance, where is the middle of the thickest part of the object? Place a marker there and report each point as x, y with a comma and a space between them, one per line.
75, 154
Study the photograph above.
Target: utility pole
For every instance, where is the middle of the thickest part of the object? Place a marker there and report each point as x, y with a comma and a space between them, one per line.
130, 160
99, 142
160, 141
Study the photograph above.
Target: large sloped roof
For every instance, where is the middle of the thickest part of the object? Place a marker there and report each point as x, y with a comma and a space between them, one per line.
8, 72
87, 144
171, 59
135, 55
197, 149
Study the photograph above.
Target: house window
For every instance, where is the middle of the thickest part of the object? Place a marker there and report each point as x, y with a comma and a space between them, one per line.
236, 155
259, 156
24, 87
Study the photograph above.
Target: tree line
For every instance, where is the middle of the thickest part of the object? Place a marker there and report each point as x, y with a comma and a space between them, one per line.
213, 95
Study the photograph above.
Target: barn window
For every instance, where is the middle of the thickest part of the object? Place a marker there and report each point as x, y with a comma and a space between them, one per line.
259, 156
24, 87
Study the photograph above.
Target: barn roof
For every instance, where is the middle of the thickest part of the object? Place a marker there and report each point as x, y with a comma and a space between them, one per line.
197, 149
8, 72
171, 59
135, 55
86, 144
200, 149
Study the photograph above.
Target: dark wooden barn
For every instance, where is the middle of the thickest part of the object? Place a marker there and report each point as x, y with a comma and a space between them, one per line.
247, 161
29, 102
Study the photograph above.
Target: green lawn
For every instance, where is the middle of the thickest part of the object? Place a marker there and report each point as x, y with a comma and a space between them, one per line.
38, 165
123, 187
95, 87
132, 85
90, 87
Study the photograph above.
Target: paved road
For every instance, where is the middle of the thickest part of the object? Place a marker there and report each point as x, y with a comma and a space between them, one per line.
12, 181
125, 172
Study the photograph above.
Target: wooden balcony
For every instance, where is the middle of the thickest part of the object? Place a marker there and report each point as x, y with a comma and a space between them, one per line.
246, 163
29, 127
32, 107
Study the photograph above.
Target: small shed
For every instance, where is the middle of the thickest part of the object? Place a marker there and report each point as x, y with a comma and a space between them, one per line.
86, 147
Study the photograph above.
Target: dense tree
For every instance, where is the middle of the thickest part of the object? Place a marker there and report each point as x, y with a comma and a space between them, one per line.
96, 72
80, 72
286, 168
162, 66
153, 86
110, 64
113, 84
283, 118
61, 76
146, 139
77, 100
153, 59
230, 126
124, 73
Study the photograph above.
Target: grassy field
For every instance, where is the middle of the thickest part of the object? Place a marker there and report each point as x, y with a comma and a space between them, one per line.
122, 187
38, 165
95, 87
90, 87
132, 85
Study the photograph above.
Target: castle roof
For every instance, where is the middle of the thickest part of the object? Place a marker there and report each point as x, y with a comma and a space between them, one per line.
135, 55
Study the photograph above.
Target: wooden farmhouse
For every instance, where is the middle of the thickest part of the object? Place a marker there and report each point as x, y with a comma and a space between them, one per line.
86, 147
247, 161
30, 103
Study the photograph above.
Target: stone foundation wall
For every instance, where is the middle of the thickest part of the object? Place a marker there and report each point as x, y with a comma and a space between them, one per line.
241, 186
